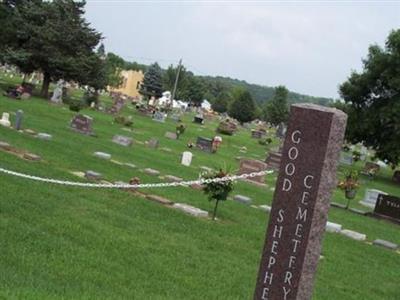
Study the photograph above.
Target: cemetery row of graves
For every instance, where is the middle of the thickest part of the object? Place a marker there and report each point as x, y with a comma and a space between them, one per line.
162, 242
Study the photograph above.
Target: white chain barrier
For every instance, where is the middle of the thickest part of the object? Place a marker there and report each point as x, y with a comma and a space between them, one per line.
136, 186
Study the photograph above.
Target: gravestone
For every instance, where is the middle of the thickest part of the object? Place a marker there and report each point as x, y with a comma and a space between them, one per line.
346, 159
274, 160
58, 92
396, 177
176, 117
82, 124
5, 120
281, 130
204, 144
153, 143
159, 117
250, 166
18, 119
122, 140
117, 105
199, 119
370, 167
171, 135
371, 195
186, 158
388, 206
300, 206
257, 134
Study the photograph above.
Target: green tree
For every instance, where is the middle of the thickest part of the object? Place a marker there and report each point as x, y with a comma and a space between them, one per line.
113, 67
53, 38
373, 98
169, 77
276, 111
243, 107
221, 104
193, 90
152, 82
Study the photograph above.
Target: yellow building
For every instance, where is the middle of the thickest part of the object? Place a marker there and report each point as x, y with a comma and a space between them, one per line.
131, 81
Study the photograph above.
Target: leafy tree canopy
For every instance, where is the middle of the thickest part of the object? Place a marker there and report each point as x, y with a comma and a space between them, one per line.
276, 111
243, 107
373, 98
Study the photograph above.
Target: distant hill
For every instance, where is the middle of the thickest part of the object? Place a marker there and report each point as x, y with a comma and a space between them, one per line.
262, 94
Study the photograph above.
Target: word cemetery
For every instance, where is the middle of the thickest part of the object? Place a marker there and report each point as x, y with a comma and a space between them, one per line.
301, 201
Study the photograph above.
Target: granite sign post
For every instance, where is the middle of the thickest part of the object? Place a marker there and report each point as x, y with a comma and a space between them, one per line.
307, 175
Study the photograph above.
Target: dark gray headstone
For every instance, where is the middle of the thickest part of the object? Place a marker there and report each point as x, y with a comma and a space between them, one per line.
204, 144
307, 176
388, 206
18, 119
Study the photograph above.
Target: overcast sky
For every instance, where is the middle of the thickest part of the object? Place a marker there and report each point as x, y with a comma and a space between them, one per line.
310, 47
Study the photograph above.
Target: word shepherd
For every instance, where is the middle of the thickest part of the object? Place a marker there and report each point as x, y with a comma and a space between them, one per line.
300, 206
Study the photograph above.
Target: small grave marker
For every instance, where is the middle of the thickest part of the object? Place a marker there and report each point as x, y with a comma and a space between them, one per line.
159, 117
251, 165
186, 158
301, 201
204, 144
153, 143
122, 140
171, 135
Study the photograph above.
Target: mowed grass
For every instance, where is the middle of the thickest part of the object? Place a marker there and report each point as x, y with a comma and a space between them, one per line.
62, 242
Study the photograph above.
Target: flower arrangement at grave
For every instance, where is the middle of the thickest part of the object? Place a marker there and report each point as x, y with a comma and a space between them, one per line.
126, 121
356, 155
265, 141
349, 185
217, 191
180, 129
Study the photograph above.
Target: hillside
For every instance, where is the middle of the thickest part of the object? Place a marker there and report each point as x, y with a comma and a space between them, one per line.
262, 94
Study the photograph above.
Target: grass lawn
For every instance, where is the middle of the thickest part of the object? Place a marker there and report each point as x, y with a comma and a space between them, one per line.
62, 242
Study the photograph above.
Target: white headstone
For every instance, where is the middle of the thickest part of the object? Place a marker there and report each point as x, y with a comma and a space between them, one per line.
187, 158
5, 120
57, 93
371, 195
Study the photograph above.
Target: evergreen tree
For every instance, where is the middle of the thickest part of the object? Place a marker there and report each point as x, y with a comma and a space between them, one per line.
373, 101
221, 103
152, 82
243, 107
53, 38
276, 111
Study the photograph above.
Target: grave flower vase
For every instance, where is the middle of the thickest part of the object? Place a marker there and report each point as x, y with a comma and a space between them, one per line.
350, 194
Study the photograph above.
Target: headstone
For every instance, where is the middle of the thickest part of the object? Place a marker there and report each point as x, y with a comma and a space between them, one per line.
153, 143
307, 176
333, 227
92, 175
186, 158
265, 207
396, 177
257, 134
152, 172
199, 119
5, 120
388, 206
176, 117
102, 155
242, 199
122, 140
57, 93
31, 156
274, 160
250, 166
159, 199
44, 136
353, 235
159, 117
5, 146
118, 104
371, 195
386, 244
18, 119
204, 144
172, 178
171, 135
370, 167
346, 159
82, 124
281, 130
191, 210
